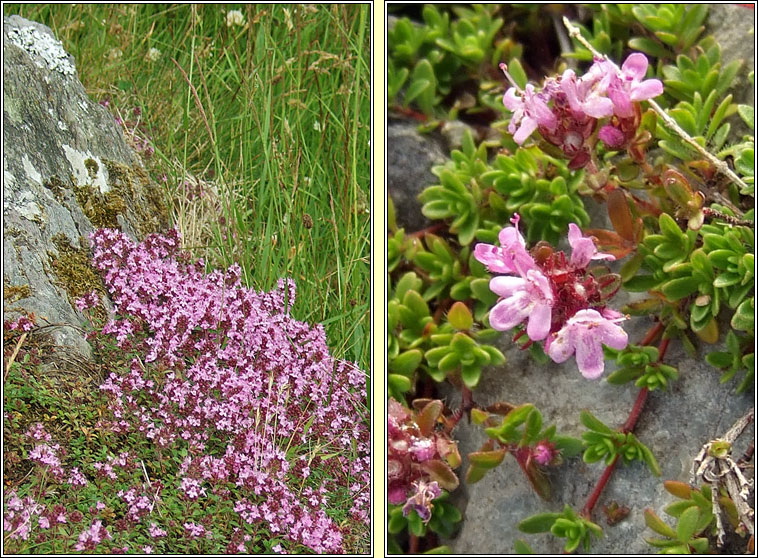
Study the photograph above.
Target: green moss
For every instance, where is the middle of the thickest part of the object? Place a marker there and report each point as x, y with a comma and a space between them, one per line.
145, 198
92, 167
73, 272
101, 210
56, 186
14, 293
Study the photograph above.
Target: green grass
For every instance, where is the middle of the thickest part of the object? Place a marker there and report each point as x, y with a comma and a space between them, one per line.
274, 114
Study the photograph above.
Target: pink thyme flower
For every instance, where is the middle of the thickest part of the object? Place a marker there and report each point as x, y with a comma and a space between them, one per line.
585, 333
627, 86
544, 452
90, 300
611, 136
511, 256
586, 94
583, 248
156, 531
523, 297
90, 538
530, 110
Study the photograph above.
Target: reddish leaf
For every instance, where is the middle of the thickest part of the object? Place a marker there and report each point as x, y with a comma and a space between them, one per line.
441, 473
611, 242
428, 416
621, 216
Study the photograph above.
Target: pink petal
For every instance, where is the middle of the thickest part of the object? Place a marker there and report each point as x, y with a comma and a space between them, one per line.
622, 104
613, 335
492, 257
506, 286
540, 286
539, 322
612, 137
512, 101
510, 312
528, 125
589, 355
647, 90
635, 66
598, 107
560, 348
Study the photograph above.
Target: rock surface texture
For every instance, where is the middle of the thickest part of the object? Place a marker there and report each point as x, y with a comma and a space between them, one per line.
66, 171
675, 424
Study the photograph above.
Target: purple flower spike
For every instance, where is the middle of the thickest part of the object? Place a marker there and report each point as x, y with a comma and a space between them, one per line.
585, 333
524, 297
583, 248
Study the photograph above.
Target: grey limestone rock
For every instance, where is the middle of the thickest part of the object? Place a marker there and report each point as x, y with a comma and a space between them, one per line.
67, 170
411, 156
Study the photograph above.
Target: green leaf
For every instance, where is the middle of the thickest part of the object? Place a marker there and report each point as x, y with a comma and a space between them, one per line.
642, 283
657, 524
747, 113
517, 72
533, 426
443, 549
520, 547
398, 384
679, 288
687, 524
405, 363
427, 417
415, 524
591, 422
540, 523
460, 317
470, 375
744, 317
397, 521
487, 459
442, 473
568, 445
649, 46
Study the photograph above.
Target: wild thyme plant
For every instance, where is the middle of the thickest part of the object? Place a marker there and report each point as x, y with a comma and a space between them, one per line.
683, 233
243, 433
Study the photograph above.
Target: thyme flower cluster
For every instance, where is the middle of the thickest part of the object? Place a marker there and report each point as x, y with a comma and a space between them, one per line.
562, 301
567, 109
225, 376
413, 456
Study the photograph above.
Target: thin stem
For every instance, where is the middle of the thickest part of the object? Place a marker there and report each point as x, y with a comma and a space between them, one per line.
630, 423
592, 500
722, 167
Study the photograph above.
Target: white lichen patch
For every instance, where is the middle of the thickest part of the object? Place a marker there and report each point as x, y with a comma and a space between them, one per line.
81, 174
31, 172
9, 182
46, 51
27, 207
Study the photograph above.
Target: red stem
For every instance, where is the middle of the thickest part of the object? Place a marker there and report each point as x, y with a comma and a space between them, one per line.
592, 500
630, 423
413, 544
430, 229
